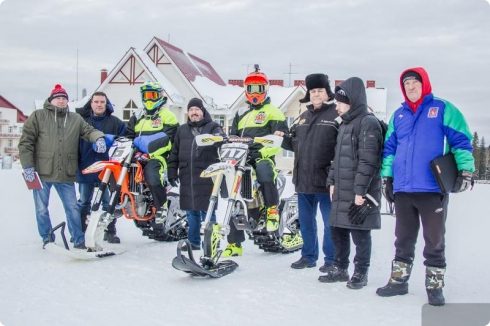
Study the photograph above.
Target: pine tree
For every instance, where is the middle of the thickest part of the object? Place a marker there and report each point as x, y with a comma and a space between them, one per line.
476, 153
482, 164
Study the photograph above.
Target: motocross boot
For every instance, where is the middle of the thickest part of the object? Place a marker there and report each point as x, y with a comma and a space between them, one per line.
272, 219
161, 214
232, 250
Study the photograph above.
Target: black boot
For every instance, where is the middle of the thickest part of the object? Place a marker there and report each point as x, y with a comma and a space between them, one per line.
398, 283
434, 282
111, 237
358, 280
335, 275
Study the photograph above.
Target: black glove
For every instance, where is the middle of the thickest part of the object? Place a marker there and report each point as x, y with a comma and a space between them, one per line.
388, 190
358, 213
254, 156
463, 181
174, 182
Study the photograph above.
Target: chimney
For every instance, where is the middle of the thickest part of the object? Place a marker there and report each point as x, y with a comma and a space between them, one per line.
276, 82
298, 82
370, 84
103, 75
84, 92
236, 82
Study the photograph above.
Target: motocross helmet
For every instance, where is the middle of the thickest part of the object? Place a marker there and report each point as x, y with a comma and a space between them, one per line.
152, 96
256, 87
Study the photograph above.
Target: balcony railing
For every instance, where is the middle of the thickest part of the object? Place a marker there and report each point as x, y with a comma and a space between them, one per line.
9, 136
11, 150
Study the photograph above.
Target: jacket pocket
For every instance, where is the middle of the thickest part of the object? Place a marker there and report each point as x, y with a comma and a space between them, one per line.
44, 163
72, 164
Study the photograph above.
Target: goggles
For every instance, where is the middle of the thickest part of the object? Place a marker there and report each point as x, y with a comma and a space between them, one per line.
149, 95
255, 89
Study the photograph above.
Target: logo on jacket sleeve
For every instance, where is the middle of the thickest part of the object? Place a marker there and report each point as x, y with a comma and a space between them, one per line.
433, 112
260, 118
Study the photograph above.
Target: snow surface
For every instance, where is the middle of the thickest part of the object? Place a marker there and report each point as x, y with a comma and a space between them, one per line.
140, 287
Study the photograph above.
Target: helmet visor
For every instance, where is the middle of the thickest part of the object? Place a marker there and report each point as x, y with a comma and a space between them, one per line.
255, 89
150, 95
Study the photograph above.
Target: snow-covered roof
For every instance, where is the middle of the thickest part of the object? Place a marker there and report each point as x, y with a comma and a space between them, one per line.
216, 96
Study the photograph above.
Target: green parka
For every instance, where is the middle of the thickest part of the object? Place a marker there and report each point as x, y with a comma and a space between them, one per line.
49, 142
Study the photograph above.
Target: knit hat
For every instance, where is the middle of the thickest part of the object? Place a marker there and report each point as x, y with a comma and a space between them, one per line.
58, 91
340, 95
411, 75
195, 102
316, 81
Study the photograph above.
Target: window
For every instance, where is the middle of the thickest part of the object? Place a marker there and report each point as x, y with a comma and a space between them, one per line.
10, 143
285, 153
220, 119
10, 130
20, 129
128, 110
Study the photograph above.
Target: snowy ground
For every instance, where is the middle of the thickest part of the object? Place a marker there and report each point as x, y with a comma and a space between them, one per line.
140, 287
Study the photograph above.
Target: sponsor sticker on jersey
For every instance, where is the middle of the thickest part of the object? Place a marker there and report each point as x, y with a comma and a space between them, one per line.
156, 123
260, 118
433, 112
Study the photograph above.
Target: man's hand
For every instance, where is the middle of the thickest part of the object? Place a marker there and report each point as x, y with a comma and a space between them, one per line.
388, 190
463, 181
29, 174
174, 182
99, 146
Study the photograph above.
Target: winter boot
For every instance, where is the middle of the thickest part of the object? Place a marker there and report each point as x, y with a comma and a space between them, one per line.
358, 280
326, 268
302, 263
111, 237
335, 275
272, 219
434, 282
398, 283
233, 250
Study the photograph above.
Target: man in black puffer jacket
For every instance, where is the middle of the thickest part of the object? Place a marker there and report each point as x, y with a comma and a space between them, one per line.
354, 174
187, 161
97, 112
312, 138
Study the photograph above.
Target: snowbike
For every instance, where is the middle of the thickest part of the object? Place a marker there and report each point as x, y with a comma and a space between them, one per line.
235, 181
131, 197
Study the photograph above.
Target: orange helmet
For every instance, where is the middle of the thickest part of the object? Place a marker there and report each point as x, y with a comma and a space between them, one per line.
256, 87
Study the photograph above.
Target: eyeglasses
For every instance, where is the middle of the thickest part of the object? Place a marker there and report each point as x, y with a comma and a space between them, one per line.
255, 89
150, 95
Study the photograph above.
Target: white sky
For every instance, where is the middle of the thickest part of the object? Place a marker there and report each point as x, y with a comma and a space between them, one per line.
372, 39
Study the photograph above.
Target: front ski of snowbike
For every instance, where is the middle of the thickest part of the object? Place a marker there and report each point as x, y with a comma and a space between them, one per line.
234, 182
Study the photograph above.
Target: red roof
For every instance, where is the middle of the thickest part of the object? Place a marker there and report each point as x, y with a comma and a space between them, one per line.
21, 117
187, 67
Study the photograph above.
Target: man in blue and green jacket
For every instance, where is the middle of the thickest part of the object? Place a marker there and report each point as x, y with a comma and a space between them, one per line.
423, 128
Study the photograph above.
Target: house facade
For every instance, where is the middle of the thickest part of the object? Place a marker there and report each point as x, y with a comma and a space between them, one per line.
11, 123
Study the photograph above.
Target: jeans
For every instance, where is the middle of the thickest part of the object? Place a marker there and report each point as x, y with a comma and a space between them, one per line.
86, 191
194, 219
362, 241
307, 205
68, 196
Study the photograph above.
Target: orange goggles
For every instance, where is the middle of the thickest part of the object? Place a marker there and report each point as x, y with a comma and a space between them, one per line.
255, 89
150, 96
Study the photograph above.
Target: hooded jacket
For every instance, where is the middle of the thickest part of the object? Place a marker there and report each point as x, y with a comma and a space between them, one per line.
49, 142
355, 168
187, 161
418, 133
106, 123
313, 140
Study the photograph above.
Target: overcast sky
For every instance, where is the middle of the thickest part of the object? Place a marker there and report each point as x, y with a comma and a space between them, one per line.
371, 39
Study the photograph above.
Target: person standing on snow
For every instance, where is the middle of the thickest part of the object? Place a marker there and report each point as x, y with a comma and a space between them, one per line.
153, 128
353, 176
423, 128
187, 161
98, 113
313, 140
49, 146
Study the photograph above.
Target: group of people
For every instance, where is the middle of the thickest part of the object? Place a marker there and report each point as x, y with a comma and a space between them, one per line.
343, 163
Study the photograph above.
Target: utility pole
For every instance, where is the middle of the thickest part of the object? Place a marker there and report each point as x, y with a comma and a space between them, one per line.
248, 65
290, 73
77, 74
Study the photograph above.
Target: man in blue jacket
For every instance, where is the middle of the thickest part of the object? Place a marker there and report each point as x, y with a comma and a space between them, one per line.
97, 113
423, 128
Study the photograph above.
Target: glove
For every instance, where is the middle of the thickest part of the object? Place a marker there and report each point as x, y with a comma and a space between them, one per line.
358, 213
109, 140
29, 174
463, 181
388, 190
99, 146
174, 182
141, 157
254, 156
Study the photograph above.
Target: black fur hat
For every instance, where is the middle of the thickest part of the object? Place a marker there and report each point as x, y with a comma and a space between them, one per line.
316, 81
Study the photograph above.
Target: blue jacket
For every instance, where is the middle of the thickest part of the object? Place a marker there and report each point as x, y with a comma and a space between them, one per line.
108, 124
418, 133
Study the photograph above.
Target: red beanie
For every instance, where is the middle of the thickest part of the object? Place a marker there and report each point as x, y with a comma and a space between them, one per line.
58, 91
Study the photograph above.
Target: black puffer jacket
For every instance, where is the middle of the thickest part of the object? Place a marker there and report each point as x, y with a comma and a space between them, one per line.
187, 161
356, 166
313, 140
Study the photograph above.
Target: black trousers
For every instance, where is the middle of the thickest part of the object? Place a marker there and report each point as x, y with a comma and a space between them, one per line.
412, 209
341, 240
153, 175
